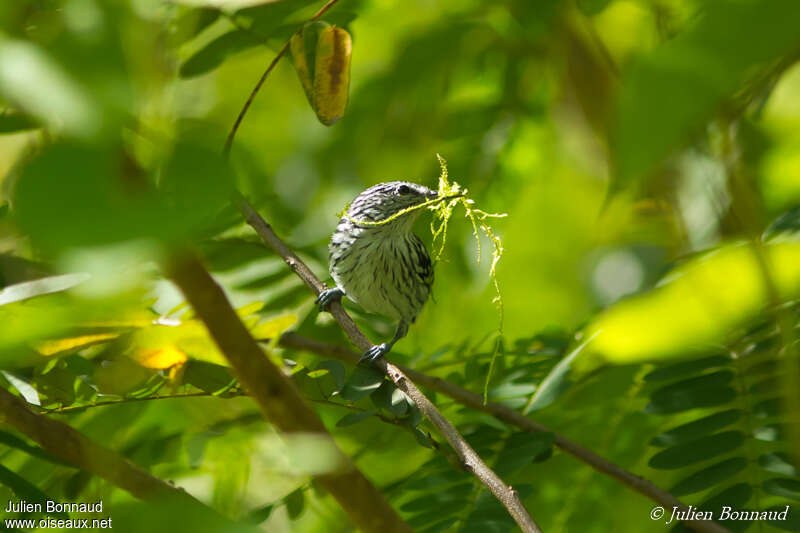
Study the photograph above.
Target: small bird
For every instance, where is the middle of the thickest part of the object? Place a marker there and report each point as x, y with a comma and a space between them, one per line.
385, 268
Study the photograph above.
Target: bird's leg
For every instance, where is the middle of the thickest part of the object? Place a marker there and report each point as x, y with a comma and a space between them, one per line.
327, 296
379, 350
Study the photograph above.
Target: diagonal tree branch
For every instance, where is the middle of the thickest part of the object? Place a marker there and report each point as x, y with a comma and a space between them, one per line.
66, 443
512, 417
277, 396
471, 460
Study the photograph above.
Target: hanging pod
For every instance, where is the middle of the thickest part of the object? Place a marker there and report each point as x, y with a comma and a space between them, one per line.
321, 56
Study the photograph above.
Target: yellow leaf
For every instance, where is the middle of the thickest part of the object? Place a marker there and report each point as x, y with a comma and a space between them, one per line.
272, 329
159, 359
250, 309
48, 348
694, 309
332, 74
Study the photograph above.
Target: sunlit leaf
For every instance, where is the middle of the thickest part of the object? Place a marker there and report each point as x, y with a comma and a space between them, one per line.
694, 309
673, 91
160, 358
38, 287
30, 78
25, 389
779, 463
60, 346
271, 329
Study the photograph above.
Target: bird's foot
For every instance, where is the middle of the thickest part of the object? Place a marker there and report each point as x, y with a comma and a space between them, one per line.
375, 353
327, 296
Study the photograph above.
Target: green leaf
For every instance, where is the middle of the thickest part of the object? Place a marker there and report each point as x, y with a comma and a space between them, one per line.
734, 497
779, 463
11, 440
592, 7
38, 287
557, 381
196, 183
787, 488
17, 122
207, 377
710, 476
228, 254
444, 509
264, 281
267, 18
289, 299
73, 195
225, 4
687, 368
697, 428
702, 391
390, 398
354, 418
768, 408
789, 222
191, 23
787, 520
217, 51
485, 526
361, 383
25, 490
522, 449
697, 450
43, 88
770, 433
295, 503
422, 438
259, 515
700, 304
438, 527
336, 370
673, 91
25, 389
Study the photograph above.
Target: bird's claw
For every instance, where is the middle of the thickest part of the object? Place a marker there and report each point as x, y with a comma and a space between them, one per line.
327, 296
374, 353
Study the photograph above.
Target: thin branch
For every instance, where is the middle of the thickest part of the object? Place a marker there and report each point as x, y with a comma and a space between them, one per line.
78, 408
66, 443
276, 395
254, 92
504, 493
510, 416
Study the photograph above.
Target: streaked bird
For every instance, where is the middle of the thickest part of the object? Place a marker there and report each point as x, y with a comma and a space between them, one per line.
384, 268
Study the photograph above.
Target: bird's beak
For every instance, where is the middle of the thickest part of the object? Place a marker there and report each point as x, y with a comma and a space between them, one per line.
432, 194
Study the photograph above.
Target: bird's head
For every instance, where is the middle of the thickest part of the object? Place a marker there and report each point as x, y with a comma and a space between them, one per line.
381, 201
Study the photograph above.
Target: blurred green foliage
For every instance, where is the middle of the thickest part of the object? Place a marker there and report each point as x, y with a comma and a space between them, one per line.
633, 143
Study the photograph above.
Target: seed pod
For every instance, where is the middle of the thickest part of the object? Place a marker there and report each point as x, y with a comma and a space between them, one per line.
321, 56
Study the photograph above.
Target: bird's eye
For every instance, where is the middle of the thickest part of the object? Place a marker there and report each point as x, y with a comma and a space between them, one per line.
403, 189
